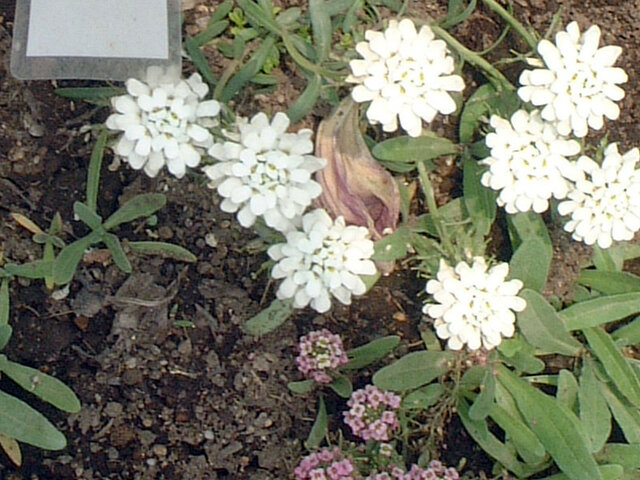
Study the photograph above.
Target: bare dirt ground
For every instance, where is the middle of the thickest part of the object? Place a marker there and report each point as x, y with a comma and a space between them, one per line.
208, 402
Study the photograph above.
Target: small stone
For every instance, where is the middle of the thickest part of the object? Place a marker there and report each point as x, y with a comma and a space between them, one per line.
113, 409
159, 450
211, 240
165, 233
208, 434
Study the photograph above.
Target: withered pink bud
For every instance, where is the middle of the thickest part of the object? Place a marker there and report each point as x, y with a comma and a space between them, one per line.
354, 184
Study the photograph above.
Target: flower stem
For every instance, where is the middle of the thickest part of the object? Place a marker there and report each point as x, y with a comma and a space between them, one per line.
495, 76
515, 24
433, 207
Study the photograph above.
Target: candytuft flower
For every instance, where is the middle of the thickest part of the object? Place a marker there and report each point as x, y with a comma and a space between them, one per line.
326, 464
372, 414
266, 172
165, 122
406, 75
579, 84
605, 203
321, 352
325, 258
475, 304
528, 162
435, 471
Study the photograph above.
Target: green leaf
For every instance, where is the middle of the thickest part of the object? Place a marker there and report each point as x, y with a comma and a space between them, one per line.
93, 174
96, 95
221, 11
457, 13
629, 333
288, 16
479, 200
567, 391
163, 249
211, 32
21, 422
5, 335
270, 318
142, 205
414, 149
34, 270
302, 387
543, 328
117, 253
321, 26
556, 427
199, 60
87, 215
615, 364
392, 247
259, 17
627, 455
4, 301
44, 386
520, 355
610, 283
67, 260
424, 397
342, 386
606, 259
594, 414
627, 417
601, 310
526, 443
413, 370
608, 472
484, 401
371, 352
320, 427
249, 70
306, 100
533, 253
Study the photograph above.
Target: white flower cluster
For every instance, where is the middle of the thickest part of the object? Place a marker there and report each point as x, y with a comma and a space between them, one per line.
579, 84
266, 173
406, 75
475, 304
325, 258
528, 162
165, 122
605, 203
533, 159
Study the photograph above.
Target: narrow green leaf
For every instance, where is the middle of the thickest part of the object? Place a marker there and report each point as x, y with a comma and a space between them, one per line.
141, 205
117, 253
270, 318
67, 260
321, 26
96, 95
342, 386
21, 422
5, 335
306, 101
594, 414
610, 283
629, 332
221, 11
335, 7
627, 455
567, 391
288, 16
199, 60
598, 311
93, 174
393, 247
526, 443
35, 270
163, 249
302, 387
4, 301
414, 149
44, 386
424, 397
543, 328
615, 364
371, 352
87, 215
483, 404
351, 18
557, 428
413, 370
259, 17
532, 250
249, 70
627, 417
479, 200
607, 260
608, 472
320, 427
211, 32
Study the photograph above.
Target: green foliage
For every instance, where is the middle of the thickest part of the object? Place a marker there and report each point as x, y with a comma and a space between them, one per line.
413, 370
532, 250
270, 318
401, 154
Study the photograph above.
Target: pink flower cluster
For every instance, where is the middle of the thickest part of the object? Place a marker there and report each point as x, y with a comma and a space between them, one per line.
326, 464
372, 414
320, 351
436, 471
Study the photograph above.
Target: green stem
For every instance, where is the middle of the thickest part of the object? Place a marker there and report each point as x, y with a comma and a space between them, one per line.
495, 76
515, 24
433, 208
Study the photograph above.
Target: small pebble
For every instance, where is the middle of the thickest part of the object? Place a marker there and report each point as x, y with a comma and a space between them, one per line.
159, 450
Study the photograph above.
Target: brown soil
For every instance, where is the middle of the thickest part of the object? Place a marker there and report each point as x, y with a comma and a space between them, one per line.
208, 402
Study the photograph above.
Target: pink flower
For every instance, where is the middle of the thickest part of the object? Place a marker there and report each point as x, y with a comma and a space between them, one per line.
321, 352
372, 414
331, 465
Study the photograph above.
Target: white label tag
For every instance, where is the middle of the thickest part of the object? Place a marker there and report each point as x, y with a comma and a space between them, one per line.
98, 28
